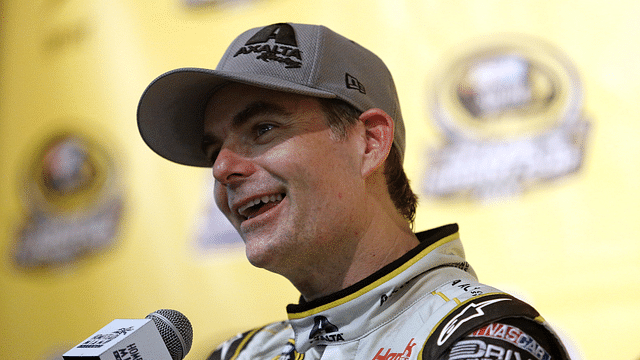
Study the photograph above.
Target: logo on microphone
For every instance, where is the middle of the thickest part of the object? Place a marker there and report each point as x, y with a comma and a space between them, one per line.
130, 352
99, 340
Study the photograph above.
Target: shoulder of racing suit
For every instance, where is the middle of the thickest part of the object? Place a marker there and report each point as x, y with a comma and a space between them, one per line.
492, 324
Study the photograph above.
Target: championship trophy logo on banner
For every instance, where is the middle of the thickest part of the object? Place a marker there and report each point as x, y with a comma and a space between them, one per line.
511, 113
73, 203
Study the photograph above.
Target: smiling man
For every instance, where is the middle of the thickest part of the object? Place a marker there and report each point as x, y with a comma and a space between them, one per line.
303, 131
295, 192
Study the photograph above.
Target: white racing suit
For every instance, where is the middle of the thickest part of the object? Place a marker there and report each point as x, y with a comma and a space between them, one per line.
426, 305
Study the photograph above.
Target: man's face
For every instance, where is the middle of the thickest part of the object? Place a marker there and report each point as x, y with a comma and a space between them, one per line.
293, 191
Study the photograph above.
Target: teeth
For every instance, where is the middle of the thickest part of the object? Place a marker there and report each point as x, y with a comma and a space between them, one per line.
264, 199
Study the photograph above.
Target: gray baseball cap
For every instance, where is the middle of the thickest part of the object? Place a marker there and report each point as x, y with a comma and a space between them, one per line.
296, 58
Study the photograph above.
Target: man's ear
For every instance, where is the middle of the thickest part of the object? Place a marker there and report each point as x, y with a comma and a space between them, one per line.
379, 139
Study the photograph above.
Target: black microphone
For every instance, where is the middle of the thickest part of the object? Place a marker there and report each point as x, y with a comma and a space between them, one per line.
163, 335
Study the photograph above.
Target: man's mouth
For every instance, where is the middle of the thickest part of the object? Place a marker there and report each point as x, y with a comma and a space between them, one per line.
258, 206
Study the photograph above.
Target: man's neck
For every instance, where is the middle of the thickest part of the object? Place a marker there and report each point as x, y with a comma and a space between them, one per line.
385, 241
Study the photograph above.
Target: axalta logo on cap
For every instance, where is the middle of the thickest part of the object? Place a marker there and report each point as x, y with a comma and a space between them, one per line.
284, 50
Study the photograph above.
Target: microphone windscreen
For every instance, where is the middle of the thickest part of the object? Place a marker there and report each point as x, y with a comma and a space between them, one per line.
175, 330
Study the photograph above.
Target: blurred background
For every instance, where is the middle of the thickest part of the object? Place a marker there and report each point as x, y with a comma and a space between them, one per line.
522, 128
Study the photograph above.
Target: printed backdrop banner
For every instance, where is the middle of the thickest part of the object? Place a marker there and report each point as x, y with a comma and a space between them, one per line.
521, 128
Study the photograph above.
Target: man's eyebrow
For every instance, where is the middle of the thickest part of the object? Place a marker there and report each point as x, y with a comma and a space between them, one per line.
256, 108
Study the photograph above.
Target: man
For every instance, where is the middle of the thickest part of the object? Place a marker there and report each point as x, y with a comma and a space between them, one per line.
303, 131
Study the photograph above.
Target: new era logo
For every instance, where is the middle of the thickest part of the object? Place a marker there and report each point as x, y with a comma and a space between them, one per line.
353, 83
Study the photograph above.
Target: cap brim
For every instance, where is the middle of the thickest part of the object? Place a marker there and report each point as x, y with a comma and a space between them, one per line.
171, 109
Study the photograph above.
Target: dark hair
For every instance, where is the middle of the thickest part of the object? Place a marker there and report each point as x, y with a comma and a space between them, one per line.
340, 117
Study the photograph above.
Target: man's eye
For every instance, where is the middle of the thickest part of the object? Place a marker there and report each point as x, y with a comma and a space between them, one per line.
263, 128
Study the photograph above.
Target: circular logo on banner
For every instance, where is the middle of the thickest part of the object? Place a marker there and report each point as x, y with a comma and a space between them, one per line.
72, 200
511, 113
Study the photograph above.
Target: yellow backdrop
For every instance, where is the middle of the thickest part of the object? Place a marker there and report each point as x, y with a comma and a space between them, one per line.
569, 245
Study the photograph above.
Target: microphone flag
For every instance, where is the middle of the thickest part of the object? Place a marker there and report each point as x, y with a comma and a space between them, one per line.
122, 339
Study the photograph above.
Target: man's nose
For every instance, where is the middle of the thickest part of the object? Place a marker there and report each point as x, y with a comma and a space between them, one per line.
230, 167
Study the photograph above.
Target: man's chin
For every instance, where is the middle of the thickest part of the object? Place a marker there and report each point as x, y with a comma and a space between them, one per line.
259, 254
264, 262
